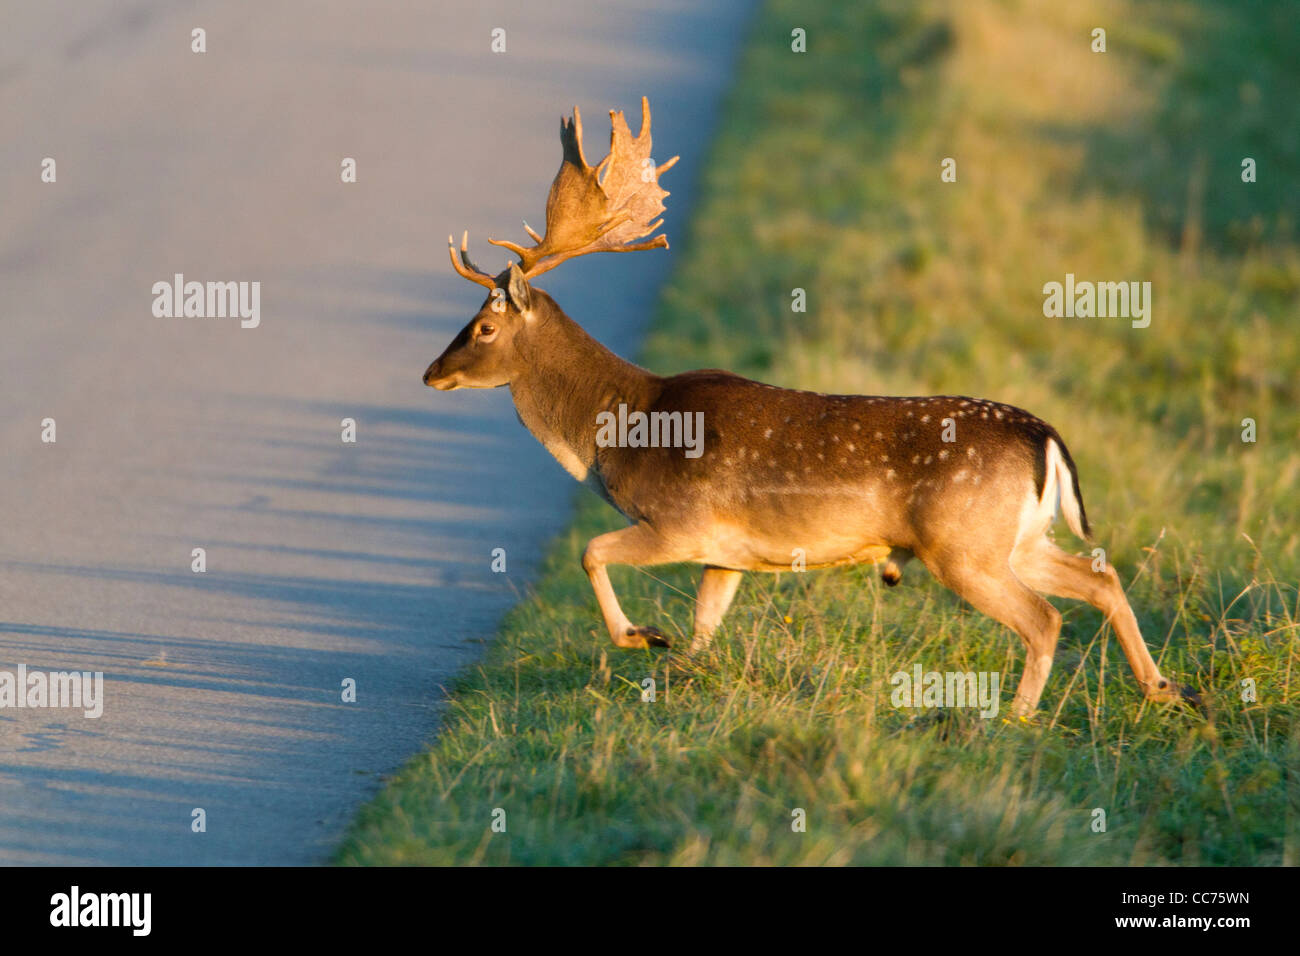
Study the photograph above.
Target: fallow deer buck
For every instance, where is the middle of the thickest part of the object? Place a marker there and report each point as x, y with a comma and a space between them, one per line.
845, 478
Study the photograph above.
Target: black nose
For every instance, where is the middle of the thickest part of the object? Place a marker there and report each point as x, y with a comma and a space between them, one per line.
431, 373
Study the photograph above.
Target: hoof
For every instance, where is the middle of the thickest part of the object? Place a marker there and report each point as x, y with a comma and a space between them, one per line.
1192, 697
1167, 691
651, 636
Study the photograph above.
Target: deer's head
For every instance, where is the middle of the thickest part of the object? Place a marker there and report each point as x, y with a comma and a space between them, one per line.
486, 352
609, 207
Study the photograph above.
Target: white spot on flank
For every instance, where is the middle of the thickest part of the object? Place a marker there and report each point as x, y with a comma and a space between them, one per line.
768, 433
943, 455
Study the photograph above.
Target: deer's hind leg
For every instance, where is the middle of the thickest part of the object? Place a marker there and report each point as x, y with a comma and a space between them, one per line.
989, 585
1046, 568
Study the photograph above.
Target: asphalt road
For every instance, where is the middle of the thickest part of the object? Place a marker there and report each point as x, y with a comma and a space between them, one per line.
324, 560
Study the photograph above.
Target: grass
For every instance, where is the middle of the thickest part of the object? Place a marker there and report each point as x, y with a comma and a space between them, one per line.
825, 176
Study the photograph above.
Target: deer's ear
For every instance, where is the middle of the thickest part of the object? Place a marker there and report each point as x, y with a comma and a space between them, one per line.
517, 289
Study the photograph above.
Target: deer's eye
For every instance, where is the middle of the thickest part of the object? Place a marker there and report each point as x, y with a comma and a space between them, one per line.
486, 330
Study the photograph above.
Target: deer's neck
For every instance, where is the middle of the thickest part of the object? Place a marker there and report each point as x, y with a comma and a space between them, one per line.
569, 379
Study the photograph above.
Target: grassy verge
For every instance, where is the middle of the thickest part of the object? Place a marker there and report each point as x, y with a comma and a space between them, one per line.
825, 176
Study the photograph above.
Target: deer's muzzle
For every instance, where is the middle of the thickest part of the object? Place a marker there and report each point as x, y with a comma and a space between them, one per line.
433, 377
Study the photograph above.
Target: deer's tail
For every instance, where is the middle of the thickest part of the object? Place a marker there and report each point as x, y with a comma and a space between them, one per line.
1061, 483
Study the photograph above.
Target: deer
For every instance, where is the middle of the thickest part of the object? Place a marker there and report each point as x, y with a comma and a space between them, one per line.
971, 487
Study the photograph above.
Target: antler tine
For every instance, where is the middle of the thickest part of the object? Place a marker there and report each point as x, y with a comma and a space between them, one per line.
514, 247
464, 253
465, 266
645, 116
577, 133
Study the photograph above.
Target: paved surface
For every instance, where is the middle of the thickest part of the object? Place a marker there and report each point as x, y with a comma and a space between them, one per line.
325, 560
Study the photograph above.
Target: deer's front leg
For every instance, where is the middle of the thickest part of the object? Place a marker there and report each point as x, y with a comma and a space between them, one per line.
638, 545
717, 588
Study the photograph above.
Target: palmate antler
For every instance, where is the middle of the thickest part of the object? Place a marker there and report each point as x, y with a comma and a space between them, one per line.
602, 208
